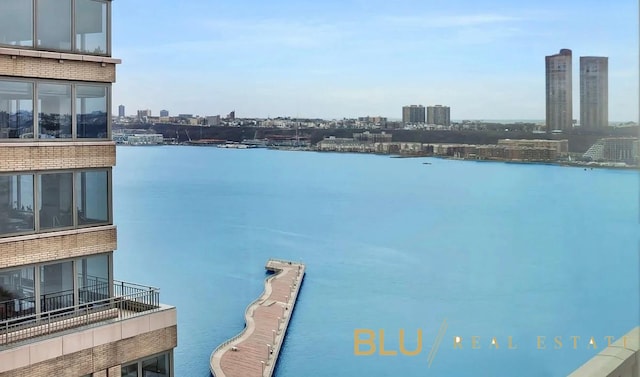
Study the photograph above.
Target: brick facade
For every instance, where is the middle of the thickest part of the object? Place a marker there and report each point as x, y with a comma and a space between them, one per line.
102, 360
63, 155
46, 247
59, 69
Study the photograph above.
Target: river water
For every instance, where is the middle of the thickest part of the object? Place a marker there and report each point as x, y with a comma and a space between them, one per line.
494, 250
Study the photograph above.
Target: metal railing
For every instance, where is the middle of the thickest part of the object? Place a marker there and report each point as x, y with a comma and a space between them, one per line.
128, 301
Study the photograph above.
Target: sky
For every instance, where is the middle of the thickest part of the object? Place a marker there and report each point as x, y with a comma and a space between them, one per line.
337, 59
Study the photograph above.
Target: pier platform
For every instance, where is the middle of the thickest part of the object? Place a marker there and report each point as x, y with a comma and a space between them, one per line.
254, 351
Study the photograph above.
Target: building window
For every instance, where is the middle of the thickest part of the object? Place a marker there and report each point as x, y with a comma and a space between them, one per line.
92, 197
16, 23
53, 24
16, 109
54, 111
91, 27
91, 110
16, 204
17, 293
55, 196
155, 366
56, 119
60, 25
93, 278
56, 286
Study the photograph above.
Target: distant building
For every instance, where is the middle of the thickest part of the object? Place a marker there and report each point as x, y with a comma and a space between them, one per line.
213, 120
594, 92
368, 137
615, 149
121, 113
143, 114
439, 115
232, 115
164, 113
186, 116
413, 114
561, 147
559, 110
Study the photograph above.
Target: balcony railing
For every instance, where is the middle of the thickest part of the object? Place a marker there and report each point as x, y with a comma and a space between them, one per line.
129, 300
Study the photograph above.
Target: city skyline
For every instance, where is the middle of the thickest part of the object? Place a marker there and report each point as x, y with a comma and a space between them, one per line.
353, 59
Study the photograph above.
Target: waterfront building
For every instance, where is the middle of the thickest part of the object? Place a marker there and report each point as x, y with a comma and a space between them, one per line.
164, 113
413, 114
61, 310
143, 115
439, 115
594, 92
559, 107
367, 137
615, 149
121, 113
561, 147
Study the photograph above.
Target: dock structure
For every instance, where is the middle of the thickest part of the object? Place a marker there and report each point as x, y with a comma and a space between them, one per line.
254, 351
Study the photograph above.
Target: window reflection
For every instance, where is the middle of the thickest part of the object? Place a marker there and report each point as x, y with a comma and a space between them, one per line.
92, 197
91, 27
16, 109
16, 204
55, 193
93, 278
17, 294
54, 102
56, 286
54, 24
91, 110
16, 23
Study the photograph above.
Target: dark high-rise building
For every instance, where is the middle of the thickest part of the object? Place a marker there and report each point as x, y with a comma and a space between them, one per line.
121, 111
559, 110
164, 113
439, 115
594, 92
413, 114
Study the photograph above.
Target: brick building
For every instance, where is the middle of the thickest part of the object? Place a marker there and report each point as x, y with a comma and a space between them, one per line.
61, 311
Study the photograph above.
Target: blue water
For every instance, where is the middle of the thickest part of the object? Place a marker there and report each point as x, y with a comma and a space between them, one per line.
495, 249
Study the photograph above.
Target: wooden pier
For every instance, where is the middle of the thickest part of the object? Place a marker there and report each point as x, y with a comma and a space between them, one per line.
254, 351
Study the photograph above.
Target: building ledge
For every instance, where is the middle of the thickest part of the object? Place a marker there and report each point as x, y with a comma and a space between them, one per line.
54, 143
57, 55
67, 232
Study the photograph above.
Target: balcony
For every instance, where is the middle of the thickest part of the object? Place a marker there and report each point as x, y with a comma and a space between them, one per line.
19, 322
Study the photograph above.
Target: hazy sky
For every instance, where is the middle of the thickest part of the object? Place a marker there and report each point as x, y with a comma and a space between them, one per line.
350, 58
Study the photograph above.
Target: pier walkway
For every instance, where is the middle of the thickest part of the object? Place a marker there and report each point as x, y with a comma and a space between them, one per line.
254, 351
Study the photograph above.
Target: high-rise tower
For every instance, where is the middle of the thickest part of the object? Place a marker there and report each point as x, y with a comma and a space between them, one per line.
559, 112
594, 92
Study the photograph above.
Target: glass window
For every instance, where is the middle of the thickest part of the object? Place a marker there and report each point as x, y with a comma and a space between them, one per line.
54, 24
130, 370
16, 22
16, 109
91, 110
155, 366
54, 101
93, 278
92, 190
91, 26
55, 194
56, 286
16, 204
17, 294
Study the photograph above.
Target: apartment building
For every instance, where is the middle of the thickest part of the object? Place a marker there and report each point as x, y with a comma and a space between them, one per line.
413, 114
62, 313
439, 115
559, 105
594, 92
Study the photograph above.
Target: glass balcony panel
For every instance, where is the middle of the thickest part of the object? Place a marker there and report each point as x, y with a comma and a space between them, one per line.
16, 23
93, 279
92, 190
55, 193
91, 110
56, 286
16, 204
16, 109
91, 27
54, 102
17, 291
54, 24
